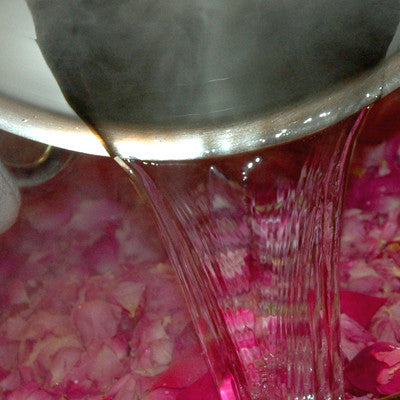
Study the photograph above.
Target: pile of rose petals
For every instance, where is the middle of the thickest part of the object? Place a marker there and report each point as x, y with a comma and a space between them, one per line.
370, 259
91, 310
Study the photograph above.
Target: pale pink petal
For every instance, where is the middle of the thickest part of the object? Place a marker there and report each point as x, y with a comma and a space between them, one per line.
51, 214
105, 366
124, 388
62, 363
96, 319
128, 295
93, 214
386, 322
353, 337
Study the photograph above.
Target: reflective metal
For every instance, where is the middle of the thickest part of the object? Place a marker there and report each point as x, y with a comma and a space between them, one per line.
184, 80
31, 163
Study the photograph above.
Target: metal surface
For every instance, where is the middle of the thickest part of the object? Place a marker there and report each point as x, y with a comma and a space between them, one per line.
31, 163
18, 152
202, 112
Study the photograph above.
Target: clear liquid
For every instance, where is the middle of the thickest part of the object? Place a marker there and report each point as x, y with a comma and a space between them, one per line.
254, 240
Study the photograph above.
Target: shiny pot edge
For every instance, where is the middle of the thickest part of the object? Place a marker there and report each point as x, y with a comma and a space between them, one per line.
286, 125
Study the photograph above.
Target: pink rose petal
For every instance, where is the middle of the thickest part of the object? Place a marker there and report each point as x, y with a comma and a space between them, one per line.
124, 389
128, 295
202, 389
105, 366
386, 322
353, 337
360, 307
182, 372
96, 319
31, 391
368, 374
50, 214
102, 255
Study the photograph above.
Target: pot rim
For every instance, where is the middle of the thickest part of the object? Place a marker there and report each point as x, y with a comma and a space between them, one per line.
149, 143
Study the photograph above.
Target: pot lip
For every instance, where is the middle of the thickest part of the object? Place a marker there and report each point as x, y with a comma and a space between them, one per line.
155, 144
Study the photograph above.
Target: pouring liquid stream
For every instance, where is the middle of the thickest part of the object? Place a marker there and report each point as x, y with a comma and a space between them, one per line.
254, 241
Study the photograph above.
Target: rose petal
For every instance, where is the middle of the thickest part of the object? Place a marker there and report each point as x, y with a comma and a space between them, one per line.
105, 366
202, 389
51, 213
386, 322
391, 358
124, 388
30, 391
389, 381
102, 255
96, 319
128, 295
360, 307
94, 214
353, 337
363, 371
182, 372
62, 363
